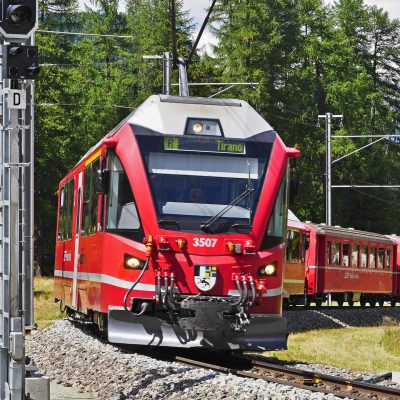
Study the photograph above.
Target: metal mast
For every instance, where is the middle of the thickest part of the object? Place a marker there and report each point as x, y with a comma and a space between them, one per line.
19, 66
328, 165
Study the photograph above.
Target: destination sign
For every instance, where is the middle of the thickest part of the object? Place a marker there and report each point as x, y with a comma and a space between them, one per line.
204, 145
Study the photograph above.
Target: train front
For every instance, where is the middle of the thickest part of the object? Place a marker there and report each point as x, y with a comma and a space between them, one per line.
209, 178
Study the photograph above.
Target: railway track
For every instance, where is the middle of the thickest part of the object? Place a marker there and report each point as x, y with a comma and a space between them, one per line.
247, 367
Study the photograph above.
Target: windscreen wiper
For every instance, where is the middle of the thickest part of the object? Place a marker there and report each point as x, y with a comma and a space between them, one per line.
168, 222
206, 225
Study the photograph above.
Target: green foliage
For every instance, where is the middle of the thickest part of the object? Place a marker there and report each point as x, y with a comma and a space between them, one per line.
307, 57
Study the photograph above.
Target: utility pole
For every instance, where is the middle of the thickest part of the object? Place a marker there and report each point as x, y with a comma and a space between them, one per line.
19, 67
166, 59
328, 164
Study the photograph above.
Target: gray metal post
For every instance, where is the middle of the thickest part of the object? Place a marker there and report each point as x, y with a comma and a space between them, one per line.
328, 164
16, 272
17, 324
166, 73
28, 204
328, 175
183, 80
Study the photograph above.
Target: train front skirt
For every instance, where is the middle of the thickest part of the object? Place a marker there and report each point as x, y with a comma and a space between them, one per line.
265, 332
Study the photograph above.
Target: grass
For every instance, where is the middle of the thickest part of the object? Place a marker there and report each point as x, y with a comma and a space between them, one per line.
46, 310
391, 336
374, 349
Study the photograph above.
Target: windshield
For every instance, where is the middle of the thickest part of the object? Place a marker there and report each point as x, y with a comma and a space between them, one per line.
190, 187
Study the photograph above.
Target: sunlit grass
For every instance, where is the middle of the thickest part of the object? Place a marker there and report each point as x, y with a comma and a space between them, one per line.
374, 349
45, 309
391, 336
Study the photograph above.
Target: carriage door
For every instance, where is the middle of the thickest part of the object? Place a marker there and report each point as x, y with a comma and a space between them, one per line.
65, 243
77, 234
89, 260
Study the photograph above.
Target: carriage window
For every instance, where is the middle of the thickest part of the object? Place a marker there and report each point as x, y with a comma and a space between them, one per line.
336, 253
89, 212
122, 214
346, 254
372, 257
328, 253
293, 246
387, 261
381, 258
354, 256
364, 256
66, 209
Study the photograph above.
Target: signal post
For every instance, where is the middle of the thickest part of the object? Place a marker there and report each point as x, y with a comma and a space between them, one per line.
19, 67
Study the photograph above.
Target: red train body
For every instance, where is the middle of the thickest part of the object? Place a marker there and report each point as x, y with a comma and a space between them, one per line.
340, 264
171, 229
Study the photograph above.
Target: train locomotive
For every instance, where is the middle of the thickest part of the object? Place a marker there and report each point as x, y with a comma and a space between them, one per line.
332, 263
171, 229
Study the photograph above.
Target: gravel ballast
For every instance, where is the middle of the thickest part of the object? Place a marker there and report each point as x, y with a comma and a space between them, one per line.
300, 320
71, 354
74, 356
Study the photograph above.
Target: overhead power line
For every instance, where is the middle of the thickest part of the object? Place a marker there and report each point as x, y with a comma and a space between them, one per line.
80, 105
86, 34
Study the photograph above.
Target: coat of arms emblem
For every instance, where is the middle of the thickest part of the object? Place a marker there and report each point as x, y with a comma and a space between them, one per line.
205, 277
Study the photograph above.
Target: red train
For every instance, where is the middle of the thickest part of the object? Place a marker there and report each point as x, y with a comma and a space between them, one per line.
171, 229
340, 264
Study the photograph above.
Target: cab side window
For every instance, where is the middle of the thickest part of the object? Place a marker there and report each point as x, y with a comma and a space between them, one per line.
122, 215
66, 210
89, 212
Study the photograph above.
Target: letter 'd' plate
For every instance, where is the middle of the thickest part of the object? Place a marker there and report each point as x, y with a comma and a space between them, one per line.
17, 99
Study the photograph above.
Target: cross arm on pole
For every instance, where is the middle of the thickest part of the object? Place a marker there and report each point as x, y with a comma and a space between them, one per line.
356, 151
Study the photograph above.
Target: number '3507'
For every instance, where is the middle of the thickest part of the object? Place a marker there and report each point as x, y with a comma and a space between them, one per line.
204, 242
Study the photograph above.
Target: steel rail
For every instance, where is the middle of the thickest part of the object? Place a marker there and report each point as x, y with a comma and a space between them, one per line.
302, 379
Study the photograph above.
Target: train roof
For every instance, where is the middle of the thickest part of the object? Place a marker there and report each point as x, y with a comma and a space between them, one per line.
349, 233
294, 221
169, 114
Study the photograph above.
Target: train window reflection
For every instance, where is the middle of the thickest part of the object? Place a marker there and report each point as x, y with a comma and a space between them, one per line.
354, 256
372, 257
89, 209
387, 263
346, 254
66, 209
381, 257
293, 246
121, 209
328, 253
336, 253
277, 221
189, 186
364, 256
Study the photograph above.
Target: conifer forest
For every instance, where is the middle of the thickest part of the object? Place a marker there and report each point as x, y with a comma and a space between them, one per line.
306, 56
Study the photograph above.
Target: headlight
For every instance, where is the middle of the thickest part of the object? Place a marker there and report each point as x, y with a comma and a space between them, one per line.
269, 270
197, 127
131, 262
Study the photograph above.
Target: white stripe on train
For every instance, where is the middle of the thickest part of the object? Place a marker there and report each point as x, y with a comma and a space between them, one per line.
145, 287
